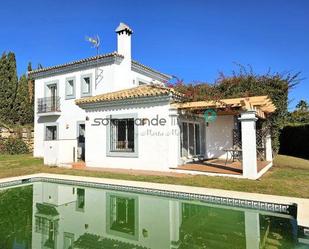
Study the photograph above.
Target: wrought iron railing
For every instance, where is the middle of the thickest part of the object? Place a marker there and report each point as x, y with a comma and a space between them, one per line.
49, 104
125, 146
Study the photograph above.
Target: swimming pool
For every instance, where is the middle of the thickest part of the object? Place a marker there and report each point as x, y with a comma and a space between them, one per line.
47, 214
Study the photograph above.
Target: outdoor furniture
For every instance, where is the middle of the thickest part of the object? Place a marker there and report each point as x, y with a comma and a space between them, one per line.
234, 152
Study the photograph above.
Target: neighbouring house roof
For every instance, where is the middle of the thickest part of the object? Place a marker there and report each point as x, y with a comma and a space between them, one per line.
94, 61
131, 93
261, 104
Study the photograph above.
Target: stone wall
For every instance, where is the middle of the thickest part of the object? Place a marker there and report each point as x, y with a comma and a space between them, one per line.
26, 134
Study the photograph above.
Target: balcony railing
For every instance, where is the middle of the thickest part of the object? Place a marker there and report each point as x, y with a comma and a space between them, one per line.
49, 104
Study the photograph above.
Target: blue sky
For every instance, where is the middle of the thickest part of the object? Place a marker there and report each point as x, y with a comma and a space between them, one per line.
191, 39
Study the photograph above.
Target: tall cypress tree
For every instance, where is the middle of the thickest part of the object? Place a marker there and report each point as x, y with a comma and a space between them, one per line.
23, 108
3, 83
8, 87
30, 84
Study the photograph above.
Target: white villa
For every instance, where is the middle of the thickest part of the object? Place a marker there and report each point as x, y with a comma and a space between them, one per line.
111, 111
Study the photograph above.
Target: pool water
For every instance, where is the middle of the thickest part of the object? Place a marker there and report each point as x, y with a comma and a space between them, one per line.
49, 215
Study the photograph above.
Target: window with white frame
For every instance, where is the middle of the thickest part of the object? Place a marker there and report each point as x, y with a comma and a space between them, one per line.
51, 132
70, 88
86, 82
122, 135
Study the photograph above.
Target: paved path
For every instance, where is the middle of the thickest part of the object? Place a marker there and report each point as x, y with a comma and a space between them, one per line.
135, 172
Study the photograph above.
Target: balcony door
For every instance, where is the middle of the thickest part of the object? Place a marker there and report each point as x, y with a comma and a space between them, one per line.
53, 94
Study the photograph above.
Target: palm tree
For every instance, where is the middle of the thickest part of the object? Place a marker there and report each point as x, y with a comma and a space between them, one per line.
302, 105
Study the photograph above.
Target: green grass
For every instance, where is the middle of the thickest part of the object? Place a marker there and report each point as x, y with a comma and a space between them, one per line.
288, 177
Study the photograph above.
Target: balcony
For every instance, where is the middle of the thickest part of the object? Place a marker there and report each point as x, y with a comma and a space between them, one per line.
49, 106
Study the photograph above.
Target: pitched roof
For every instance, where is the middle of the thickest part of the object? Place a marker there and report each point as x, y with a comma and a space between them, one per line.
93, 59
85, 60
131, 93
140, 65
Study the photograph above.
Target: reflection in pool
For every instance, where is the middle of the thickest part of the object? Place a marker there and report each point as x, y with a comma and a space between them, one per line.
48, 215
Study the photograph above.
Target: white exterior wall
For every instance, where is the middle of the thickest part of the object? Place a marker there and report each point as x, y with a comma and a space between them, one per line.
70, 113
136, 77
219, 136
156, 146
113, 76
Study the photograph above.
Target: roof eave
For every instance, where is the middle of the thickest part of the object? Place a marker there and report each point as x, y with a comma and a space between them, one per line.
140, 68
76, 65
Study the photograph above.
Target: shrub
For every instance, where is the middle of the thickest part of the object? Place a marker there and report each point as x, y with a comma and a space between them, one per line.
15, 146
294, 141
2, 147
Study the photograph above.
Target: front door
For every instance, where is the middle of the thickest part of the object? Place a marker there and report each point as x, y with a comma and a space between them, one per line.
81, 141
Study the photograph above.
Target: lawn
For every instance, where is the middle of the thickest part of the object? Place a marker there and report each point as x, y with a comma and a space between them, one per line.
289, 176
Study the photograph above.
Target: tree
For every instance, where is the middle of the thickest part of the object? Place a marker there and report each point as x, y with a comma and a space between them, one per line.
30, 85
246, 83
16, 97
300, 116
16, 216
23, 106
302, 105
8, 86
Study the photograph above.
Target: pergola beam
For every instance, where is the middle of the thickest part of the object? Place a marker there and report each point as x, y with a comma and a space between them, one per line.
261, 104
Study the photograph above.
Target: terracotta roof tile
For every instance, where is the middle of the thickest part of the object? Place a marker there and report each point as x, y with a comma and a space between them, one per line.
131, 93
92, 58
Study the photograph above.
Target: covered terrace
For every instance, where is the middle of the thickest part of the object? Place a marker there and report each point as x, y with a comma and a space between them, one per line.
233, 139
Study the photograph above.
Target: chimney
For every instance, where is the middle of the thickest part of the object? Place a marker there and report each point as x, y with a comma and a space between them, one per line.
124, 40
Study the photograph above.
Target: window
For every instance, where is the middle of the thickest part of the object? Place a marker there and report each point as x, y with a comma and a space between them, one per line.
51, 132
184, 140
86, 82
70, 88
197, 139
48, 228
68, 240
122, 135
122, 215
140, 83
80, 202
190, 139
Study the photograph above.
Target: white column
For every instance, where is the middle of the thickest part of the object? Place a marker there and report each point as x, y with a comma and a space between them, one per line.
252, 228
175, 222
173, 137
248, 141
268, 148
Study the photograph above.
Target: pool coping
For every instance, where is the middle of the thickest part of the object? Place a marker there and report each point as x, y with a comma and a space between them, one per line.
272, 203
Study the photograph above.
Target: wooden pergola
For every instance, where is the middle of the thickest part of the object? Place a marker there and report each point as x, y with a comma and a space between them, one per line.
261, 104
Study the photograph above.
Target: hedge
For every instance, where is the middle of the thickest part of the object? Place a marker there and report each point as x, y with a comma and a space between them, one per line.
294, 141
